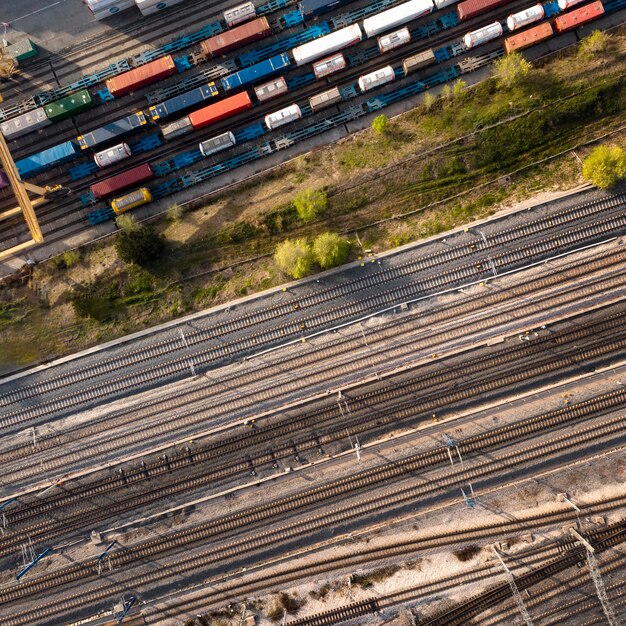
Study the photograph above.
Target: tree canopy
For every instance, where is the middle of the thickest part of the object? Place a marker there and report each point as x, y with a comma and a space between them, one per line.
294, 257
330, 250
605, 166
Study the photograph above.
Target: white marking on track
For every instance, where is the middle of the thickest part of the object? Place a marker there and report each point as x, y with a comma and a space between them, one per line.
21, 17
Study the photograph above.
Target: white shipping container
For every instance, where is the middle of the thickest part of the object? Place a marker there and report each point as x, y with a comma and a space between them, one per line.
239, 14
394, 40
483, 35
25, 123
441, 4
329, 65
397, 16
148, 7
105, 8
270, 90
217, 144
525, 17
282, 117
316, 49
112, 155
566, 4
377, 78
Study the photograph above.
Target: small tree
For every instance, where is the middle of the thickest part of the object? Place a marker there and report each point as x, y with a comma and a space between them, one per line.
593, 44
458, 89
141, 245
380, 124
511, 70
446, 92
330, 250
294, 257
310, 203
126, 221
605, 166
429, 100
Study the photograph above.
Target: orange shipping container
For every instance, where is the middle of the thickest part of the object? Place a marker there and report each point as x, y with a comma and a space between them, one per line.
220, 110
528, 38
236, 37
141, 76
577, 18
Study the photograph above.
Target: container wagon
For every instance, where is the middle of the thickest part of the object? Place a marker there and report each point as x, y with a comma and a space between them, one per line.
283, 116
220, 110
471, 8
377, 78
318, 48
394, 40
106, 8
217, 144
236, 37
131, 200
69, 106
113, 131
24, 123
325, 99
45, 159
181, 103
483, 35
310, 8
577, 18
112, 155
418, 61
123, 180
524, 18
148, 7
239, 14
528, 38
177, 128
141, 76
403, 13
270, 90
257, 72
329, 65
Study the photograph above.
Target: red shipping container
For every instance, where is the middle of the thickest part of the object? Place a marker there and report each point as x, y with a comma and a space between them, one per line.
528, 38
577, 18
141, 76
471, 8
236, 37
123, 180
220, 110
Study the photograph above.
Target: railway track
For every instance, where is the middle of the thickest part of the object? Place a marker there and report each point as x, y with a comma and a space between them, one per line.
51, 453
264, 538
393, 406
341, 311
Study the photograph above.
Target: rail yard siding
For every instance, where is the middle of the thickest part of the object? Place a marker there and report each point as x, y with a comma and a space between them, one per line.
141, 76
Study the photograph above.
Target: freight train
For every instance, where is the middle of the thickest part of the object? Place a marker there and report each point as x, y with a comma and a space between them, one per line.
230, 105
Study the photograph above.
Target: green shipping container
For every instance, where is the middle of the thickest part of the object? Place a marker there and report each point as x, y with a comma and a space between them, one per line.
68, 106
23, 50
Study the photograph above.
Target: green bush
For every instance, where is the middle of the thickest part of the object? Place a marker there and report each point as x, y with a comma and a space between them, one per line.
593, 44
458, 89
330, 250
294, 257
605, 166
429, 100
511, 69
280, 219
380, 124
310, 203
141, 245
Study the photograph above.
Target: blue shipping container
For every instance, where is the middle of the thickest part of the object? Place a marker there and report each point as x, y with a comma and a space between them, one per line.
47, 158
114, 130
308, 8
183, 102
256, 72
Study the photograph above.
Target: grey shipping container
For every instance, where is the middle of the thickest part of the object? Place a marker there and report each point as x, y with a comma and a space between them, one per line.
417, 61
325, 99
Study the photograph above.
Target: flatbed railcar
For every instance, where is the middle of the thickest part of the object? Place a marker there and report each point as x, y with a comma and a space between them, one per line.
184, 102
24, 123
325, 99
396, 16
148, 7
113, 131
141, 76
123, 180
574, 19
311, 8
256, 73
41, 161
220, 110
323, 46
528, 38
239, 14
70, 105
236, 37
